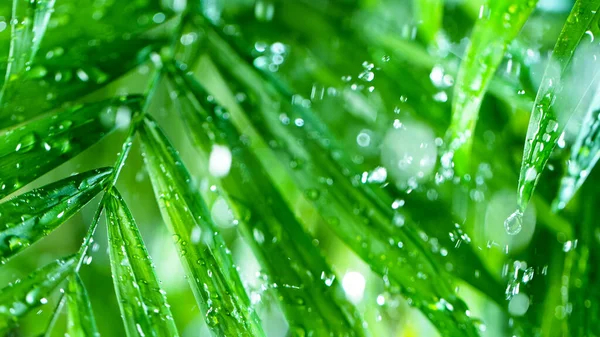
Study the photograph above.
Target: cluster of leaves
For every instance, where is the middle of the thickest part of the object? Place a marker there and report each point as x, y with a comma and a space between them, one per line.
285, 150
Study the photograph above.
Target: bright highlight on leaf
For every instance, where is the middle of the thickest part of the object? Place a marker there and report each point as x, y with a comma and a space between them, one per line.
22, 296
33, 215
492, 33
205, 257
28, 151
567, 88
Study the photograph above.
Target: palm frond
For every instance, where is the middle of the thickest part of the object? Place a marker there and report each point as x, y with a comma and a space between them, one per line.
206, 259
21, 296
30, 150
368, 235
73, 63
316, 127
313, 299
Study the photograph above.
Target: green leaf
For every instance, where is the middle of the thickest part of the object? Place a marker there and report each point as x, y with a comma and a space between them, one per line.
488, 42
311, 297
72, 63
80, 319
357, 213
28, 151
33, 215
210, 270
28, 24
21, 296
584, 156
564, 91
143, 303
429, 15
584, 296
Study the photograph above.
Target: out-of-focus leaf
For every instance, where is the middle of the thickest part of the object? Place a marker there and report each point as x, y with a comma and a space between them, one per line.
312, 298
28, 24
488, 42
80, 319
584, 296
33, 215
352, 209
74, 62
206, 259
143, 303
584, 155
564, 91
21, 296
429, 14
30, 150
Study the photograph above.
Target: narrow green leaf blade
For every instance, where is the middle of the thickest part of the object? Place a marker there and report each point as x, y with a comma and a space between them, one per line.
429, 15
80, 318
28, 24
584, 156
357, 213
204, 255
489, 40
33, 215
72, 63
564, 91
315, 305
143, 303
30, 150
20, 297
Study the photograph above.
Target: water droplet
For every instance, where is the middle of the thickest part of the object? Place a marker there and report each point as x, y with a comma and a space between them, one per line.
26, 143
518, 305
514, 223
264, 10
219, 162
354, 284
31, 297
82, 75
15, 242
531, 174
258, 236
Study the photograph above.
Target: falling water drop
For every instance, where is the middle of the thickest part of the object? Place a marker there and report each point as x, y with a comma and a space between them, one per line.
514, 223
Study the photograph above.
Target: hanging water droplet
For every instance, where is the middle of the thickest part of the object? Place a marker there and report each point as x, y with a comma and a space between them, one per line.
514, 223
